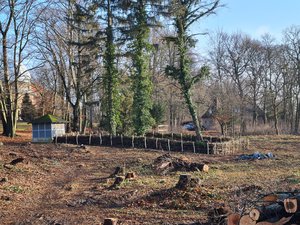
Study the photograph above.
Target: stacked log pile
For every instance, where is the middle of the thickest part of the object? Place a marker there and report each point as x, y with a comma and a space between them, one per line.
276, 209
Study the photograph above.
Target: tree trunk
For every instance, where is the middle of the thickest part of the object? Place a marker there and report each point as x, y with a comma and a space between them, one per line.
191, 107
76, 118
297, 119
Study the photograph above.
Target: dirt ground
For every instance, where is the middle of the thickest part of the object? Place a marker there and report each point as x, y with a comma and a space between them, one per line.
65, 184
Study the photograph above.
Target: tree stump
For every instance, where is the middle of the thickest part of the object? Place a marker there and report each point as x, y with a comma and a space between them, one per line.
110, 221
119, 171
186, 181
130, 176
118, 181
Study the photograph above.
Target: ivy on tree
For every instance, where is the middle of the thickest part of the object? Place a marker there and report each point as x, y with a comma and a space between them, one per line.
141, 15
184, 14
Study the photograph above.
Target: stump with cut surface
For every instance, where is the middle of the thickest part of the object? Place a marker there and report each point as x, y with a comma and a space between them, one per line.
110, 221
186, 181
130, 175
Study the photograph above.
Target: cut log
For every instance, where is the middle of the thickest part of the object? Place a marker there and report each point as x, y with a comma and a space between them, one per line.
233, 219
266, 212
272, 198
199, 167
110, 221
246, 220
282, 221
168, 163
292, 205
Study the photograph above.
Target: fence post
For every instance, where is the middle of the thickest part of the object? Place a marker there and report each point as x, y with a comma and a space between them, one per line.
132, 141
145, 140
194, 147
111, 142
100, 137
77, 138
156, 143
207, 147
90, 139
55, 139
122, 143
181, 145
169, 145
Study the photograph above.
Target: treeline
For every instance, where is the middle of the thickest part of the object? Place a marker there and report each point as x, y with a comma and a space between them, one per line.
99, 55
126, 66
257, 82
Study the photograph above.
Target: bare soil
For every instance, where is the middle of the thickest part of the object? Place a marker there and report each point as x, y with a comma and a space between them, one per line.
66, 184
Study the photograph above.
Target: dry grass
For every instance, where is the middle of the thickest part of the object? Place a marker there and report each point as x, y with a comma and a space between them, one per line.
67, 185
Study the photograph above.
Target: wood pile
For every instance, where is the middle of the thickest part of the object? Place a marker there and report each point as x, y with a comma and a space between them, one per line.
276, 209
167, 163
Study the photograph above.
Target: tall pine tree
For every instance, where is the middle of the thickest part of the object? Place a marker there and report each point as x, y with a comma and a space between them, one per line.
141, 15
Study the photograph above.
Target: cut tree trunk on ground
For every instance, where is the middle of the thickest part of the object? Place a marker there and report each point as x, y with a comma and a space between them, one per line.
167, 163
292, 205
282, 221
273, 198
266, 212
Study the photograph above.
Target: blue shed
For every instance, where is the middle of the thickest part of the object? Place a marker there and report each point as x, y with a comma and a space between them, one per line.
45, 128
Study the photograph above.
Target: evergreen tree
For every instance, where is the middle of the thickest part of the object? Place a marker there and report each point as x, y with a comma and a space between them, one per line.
111, 78
28, 112
184, 14
83, 53
141, 15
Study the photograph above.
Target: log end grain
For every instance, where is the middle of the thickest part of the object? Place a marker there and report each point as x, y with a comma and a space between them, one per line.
110, 221
233, 219
246, 220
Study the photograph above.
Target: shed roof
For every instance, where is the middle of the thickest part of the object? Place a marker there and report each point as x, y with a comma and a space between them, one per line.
48, 118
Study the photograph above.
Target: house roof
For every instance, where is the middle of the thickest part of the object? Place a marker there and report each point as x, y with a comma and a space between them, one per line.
48, 118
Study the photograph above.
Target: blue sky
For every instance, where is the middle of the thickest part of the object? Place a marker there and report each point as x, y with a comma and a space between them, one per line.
253, 17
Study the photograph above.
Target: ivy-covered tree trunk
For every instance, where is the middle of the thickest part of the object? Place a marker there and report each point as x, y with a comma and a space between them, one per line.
111, 79
142, 85
184, 14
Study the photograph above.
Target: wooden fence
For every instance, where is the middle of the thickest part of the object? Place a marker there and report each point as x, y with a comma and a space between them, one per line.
224, 147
